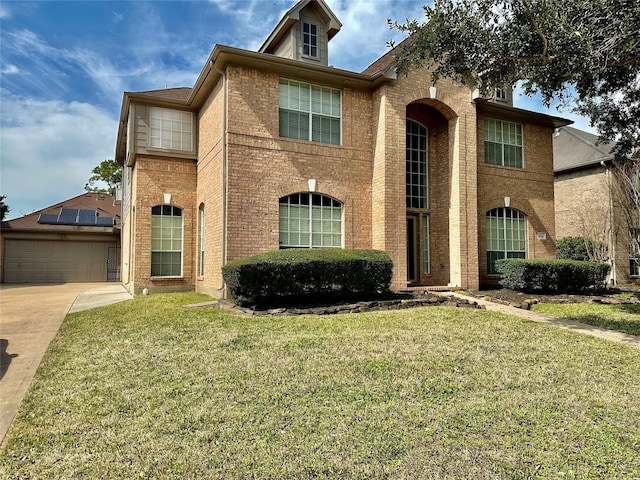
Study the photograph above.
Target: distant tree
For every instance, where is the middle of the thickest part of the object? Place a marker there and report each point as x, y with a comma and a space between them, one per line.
109, 172
592, 46
4, 208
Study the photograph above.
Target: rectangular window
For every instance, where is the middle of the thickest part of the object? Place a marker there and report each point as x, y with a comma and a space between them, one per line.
310, 112
309, 40
426, 260
201, 262
502, 143
170, 129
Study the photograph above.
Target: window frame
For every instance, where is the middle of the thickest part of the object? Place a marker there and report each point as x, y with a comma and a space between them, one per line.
502, 236
303, 208
501, 145
164, 133
416, 179
303, 104
308, 37
201, 218
157, 223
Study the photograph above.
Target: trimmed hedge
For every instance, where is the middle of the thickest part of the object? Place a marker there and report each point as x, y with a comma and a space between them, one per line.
307, 275
554, 276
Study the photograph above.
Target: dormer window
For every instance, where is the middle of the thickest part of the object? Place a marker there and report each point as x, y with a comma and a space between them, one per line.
310, 39
501, 94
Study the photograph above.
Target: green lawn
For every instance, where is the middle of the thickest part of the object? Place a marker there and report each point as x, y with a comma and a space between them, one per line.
623, 318
150, 389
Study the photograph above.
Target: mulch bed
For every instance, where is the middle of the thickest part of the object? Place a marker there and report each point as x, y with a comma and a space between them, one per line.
420, 298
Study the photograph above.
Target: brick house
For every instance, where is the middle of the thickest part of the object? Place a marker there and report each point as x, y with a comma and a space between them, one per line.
591, 200
277, 149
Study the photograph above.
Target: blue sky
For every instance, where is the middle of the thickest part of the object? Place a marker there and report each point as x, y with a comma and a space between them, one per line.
64, 66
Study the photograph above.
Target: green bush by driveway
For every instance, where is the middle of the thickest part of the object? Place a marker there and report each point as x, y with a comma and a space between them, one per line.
150, 389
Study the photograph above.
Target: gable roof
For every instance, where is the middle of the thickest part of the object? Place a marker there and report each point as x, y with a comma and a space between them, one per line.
292, 16
575, 149
104, 206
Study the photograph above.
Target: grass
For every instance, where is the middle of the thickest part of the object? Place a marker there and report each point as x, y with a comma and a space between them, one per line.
623, 318
149, 389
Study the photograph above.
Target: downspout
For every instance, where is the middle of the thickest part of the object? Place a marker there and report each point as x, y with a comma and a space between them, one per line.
224, 172
612, 246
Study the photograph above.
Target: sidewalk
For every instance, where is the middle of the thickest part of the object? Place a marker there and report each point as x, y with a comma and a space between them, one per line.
612, 336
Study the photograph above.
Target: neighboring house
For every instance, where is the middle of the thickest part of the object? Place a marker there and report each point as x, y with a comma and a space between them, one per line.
278, 149
77, 240
593, 202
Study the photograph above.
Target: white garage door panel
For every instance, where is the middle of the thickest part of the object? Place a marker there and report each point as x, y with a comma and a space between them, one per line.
41, 261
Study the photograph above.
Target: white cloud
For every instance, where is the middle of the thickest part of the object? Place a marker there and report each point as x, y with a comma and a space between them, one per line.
10, 70
48, 149
5, 13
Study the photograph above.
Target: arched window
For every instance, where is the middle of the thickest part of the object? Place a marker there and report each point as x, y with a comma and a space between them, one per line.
310, 220
166, 241
506, 236
417, 166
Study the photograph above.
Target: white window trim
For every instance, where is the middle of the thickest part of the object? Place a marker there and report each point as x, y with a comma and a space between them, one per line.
502, 143
310, 220
311, 113
181, 249
153, 129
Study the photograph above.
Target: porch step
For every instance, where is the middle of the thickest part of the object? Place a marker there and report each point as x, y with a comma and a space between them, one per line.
434, 288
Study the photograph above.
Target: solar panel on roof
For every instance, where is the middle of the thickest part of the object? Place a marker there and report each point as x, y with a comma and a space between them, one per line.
104, 221
48, 219
87, 217
68, 216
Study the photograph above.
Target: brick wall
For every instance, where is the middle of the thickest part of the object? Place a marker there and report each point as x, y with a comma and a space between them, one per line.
530, 190
154, 177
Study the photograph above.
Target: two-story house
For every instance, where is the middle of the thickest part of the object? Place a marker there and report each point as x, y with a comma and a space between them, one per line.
593, 200
278, 149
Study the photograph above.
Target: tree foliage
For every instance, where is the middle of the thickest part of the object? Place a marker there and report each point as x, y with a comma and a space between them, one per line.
108, 172
4, 208
589, 46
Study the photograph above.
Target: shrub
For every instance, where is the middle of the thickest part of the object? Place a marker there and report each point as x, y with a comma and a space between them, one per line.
557, 276
304, 275
572, 248
581, 249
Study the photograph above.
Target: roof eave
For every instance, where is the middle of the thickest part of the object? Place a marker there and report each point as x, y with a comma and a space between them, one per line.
509, 112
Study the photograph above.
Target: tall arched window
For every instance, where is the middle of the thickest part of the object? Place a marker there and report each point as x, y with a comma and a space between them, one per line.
310, 220
166, 241
417, 166
506, 236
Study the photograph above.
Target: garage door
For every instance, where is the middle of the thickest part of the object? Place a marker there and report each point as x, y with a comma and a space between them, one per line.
47, 261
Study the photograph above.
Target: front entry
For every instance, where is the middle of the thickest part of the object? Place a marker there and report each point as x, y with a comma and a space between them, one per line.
418, 255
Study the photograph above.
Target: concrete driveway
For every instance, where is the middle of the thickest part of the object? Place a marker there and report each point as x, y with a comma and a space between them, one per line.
30, 316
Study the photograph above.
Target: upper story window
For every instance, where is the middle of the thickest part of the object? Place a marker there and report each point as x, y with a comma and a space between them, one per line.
310, 112
417, 176
171, 129
502, 143
310, 220
310, 39
501, 94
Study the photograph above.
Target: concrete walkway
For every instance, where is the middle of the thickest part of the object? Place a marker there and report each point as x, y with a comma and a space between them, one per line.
30, 316
630, 340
